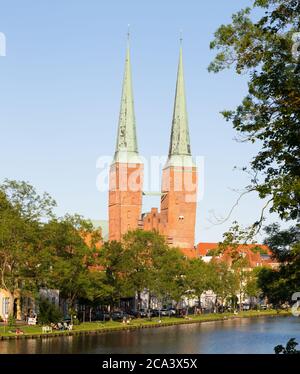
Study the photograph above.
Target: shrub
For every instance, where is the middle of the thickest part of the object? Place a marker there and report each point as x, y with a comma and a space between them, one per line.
289, 349
48, 312
11, 321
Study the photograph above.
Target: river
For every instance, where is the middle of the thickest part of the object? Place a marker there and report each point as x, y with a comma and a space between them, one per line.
245, 335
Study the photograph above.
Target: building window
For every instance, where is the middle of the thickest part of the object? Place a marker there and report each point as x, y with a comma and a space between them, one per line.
5, 305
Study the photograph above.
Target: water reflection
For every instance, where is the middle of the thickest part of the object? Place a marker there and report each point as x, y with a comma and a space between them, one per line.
258, 335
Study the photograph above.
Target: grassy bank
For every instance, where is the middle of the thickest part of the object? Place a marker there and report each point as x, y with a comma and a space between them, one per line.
101, 327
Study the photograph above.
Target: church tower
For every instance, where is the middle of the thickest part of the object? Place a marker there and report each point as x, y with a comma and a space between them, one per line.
179, 178
126, 171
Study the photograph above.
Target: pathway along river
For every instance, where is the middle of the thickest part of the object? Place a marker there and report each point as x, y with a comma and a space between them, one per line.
245, 335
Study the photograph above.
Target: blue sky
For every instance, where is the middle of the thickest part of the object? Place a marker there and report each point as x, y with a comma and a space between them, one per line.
60, 88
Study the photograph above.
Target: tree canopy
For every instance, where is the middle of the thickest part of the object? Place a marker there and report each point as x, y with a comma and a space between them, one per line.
263, 42
41, 251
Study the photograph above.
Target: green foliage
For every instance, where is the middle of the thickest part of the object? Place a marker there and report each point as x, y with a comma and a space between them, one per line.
169, 276
143, 261
24, 198
48, 312
214, 252
11, 321
72, 261
281, 242
198, 276
224, 282
278, 285
289, 349
270, 113
63, 253
246, 278
252, 287
21, 235
35, 253
234, 237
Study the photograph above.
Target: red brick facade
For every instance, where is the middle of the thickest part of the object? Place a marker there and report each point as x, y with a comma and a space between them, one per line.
178, 205
125, 198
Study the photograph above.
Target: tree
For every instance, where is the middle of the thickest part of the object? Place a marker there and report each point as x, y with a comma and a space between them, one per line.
135, 264
266, 49
25, 199
111, 258
142, 253
169, 277
281, 242
224, 283
73, 265
20, 237
240, 266
230, 245
234, 238
252, 288
198, 276
289, 349
278, 285
273, 286
48, 312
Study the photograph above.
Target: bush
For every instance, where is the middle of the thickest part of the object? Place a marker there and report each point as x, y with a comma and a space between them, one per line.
76, 321
289, 349
48, 312
11, 321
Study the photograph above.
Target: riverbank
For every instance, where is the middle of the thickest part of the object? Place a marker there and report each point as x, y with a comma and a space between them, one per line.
103, 327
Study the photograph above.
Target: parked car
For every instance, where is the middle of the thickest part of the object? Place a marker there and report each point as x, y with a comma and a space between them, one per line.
134, 313
172, 311
246, 306
119, 315
263, 307
168, 312
154, 313
102, 316
143, 313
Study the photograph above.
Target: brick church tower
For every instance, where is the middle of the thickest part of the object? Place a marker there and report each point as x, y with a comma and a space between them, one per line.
179, 178
126, 171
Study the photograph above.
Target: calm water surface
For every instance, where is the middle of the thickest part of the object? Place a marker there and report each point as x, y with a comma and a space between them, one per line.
247, 335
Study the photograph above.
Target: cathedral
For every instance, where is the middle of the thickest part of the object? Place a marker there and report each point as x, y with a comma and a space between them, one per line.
175, 219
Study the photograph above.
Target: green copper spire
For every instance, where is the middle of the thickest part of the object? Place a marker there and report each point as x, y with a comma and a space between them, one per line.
180, 149
126, 147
